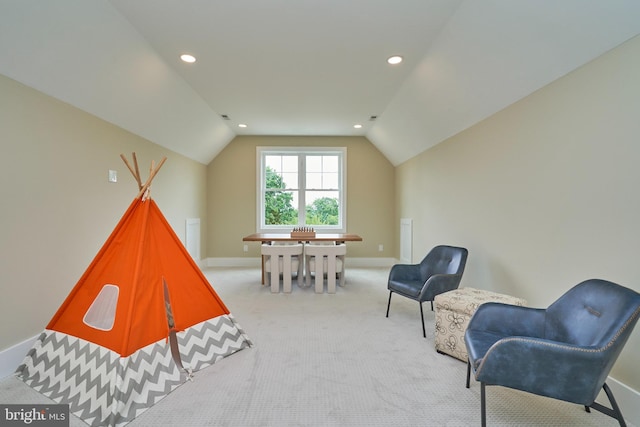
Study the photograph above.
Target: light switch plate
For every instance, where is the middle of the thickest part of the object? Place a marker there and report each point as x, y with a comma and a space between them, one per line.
113, 176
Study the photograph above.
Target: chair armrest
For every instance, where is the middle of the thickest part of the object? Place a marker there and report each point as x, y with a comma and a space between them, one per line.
439, 283
405, 272
508, 320
545, 367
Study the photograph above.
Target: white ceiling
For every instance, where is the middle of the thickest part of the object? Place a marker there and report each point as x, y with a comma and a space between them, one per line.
302, 67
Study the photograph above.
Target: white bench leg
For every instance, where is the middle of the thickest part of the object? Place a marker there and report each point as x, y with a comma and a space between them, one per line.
331, 275
319, 275
275, 275
298, 276
307, 279
286, 274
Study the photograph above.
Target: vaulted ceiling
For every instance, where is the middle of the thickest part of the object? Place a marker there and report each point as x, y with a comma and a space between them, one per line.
302, 67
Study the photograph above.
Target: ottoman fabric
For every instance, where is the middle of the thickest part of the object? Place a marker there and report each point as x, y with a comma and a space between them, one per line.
454, 309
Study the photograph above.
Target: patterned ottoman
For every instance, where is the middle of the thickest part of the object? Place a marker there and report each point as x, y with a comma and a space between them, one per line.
453, 312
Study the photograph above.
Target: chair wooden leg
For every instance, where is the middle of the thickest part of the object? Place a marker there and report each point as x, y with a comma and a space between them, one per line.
483, 409
424, 331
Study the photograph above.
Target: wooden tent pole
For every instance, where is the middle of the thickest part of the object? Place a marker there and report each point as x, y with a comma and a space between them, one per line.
147, 194
154, 171
126, 162
135, 172
135, 163
142, 188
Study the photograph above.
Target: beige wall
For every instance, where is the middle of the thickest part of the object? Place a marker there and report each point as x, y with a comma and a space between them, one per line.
543, 194
58, 207
231, 191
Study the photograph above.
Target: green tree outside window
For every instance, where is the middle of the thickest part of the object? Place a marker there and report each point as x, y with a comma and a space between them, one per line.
278, 203
322, 211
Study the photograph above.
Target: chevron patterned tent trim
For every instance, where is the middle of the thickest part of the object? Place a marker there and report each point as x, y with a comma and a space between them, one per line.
205, 343
104, 389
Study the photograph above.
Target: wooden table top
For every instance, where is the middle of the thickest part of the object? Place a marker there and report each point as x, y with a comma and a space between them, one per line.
286, 237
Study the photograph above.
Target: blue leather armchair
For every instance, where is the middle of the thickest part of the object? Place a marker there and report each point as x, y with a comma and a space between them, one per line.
440, 271
564, 352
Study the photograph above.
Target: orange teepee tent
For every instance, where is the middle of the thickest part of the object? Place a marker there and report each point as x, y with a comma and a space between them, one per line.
139, 321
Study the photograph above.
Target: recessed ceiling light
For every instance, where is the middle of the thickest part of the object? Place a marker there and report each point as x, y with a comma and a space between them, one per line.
357, 126
394, 60
242, 125
190, 59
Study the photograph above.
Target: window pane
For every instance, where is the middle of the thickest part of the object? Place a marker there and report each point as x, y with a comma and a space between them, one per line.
330, 164
322, 207
289, 163
276, 180
281, 171
330, 181
273, 179
322, 181
314, 163
282, 164
314, 180
274, 162
290, 180
322, 172
281, 207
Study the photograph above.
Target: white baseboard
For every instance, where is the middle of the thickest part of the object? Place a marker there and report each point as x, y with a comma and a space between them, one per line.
370, 262
255, 262
12, 357
233, 262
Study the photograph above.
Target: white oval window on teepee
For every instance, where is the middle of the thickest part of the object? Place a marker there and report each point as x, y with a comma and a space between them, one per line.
102, 313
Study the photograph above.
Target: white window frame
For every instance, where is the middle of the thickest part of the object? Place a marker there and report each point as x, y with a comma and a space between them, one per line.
341, 152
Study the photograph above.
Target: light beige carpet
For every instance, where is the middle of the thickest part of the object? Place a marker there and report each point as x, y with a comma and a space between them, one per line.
334, 360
